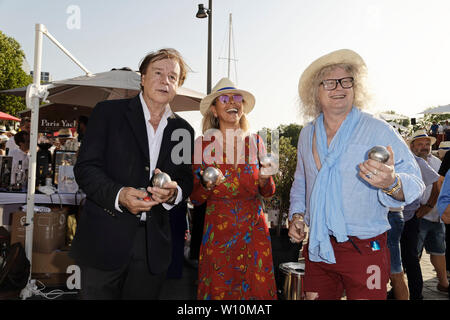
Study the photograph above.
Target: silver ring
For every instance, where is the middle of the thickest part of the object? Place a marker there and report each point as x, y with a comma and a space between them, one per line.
375, 172
292, 240
369, 175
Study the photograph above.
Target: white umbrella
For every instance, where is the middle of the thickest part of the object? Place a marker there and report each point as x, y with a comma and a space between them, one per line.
440, 109
390, 116
88, 90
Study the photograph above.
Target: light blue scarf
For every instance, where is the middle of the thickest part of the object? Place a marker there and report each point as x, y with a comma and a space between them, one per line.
326, 207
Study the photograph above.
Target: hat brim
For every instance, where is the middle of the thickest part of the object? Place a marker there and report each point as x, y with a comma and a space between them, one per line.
248, 98
432, 139
336, 57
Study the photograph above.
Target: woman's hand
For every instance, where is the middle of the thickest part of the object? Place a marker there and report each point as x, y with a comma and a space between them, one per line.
209, 185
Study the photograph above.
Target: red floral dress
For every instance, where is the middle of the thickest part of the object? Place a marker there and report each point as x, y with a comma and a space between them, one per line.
235, 256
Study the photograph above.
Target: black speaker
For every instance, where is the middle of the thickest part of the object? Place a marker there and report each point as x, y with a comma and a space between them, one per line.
413, 121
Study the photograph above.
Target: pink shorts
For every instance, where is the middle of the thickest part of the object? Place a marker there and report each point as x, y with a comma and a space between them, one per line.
363, 274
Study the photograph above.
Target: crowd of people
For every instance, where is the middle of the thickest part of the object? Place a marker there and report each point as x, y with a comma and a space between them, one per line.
366, 221
16, 144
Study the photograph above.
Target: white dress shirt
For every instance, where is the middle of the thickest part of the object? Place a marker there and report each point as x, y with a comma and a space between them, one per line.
154, 145
18, 155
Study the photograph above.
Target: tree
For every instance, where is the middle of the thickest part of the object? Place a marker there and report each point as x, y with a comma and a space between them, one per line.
287, 151
11, 74
290, 131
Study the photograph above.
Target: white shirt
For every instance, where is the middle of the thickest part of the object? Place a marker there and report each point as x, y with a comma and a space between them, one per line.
18, 155
433, 215
11, 145
154, 145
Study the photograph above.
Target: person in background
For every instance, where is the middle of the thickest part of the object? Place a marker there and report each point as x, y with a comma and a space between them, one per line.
434, 133
347, 226
25, 124
66, 141
443, 148
20, 154
3, 135
81, 127
3, 140
446, 130
397, 277
443, 204
431, 229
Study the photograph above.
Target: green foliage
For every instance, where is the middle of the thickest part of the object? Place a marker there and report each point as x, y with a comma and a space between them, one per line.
287, 150
285, 176
11, 74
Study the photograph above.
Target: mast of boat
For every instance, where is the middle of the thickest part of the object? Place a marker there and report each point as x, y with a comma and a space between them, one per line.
230, 39
229, 44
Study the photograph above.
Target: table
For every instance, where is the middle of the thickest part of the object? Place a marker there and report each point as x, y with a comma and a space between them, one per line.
56, 198
13, 201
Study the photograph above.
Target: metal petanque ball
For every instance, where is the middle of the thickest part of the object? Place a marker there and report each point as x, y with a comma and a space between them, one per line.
379, 153
160, 179
210, 175
267, 160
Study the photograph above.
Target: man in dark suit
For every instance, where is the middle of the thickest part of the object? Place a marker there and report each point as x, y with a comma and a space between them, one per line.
123, 241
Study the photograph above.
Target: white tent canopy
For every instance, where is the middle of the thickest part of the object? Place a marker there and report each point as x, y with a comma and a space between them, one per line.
88, 90
437, 110
389, 116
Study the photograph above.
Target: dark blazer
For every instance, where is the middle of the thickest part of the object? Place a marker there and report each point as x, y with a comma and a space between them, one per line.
115, 154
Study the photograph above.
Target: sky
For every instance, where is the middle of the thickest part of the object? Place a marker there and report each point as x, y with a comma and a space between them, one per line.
405, 44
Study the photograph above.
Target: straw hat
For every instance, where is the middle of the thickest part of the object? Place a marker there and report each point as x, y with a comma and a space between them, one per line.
225, 86
2, 129
444, 145
65, 133
421, 134
14, 132
335, 57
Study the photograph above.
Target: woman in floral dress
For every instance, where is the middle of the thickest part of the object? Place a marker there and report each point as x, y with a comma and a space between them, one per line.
235, 256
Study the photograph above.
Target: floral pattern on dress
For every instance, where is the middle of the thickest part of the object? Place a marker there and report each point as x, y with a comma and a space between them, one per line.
235, 261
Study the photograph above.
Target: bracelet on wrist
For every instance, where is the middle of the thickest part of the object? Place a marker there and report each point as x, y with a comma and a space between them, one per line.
394, 188
298, 216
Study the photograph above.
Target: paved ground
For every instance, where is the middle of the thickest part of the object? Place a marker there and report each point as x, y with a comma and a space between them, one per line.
430, 281
185, 289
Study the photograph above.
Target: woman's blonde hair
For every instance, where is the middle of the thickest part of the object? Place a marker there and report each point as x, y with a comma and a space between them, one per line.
211, 122
310, 105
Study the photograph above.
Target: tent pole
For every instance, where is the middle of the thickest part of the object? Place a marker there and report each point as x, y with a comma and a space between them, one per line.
33, 104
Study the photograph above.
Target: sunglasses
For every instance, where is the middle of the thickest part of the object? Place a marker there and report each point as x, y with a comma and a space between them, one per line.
236, 98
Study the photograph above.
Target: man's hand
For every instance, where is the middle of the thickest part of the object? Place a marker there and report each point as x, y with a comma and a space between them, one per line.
162, 195
297, 229
377, 174
132, 199
423, 211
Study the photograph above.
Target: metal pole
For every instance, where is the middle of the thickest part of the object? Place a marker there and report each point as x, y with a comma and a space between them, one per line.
208, 87
229, 47
59, 45
33, 143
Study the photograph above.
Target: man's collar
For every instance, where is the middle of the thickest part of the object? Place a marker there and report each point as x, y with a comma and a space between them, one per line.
167, 111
